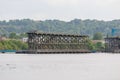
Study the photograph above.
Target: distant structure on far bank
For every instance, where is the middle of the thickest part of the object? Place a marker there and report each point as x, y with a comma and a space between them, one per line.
112, 43
57, 43
2, 38
25, 39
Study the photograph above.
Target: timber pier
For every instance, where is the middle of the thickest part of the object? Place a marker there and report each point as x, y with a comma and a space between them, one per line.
39, 43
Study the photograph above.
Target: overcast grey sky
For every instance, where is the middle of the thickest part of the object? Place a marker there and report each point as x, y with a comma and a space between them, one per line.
60, 9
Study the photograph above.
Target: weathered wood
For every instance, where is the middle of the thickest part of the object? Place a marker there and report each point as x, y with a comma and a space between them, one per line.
41, 42
112, 44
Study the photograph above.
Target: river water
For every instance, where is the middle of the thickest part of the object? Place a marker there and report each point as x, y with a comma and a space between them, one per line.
94, 66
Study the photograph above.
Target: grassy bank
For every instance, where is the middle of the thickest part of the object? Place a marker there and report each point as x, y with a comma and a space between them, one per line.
13, 45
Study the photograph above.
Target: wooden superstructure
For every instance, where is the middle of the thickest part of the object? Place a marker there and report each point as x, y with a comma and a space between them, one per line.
112, 44
39, 42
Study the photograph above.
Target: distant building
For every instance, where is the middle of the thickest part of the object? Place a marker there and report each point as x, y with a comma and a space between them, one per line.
2, 38
24, 39
112, 44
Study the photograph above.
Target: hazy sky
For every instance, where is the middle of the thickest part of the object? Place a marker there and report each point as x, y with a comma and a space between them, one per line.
60, 9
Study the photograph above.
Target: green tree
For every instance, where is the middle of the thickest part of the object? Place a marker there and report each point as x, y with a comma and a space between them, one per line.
1, 46
98, 36
90, 45
22, 35
99, 46
12, 35
4, 35
13, 45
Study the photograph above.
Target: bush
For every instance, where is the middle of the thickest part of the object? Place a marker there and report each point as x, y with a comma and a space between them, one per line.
12, 45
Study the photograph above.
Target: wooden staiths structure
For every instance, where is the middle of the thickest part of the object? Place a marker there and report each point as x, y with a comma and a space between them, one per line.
39, 42
112, 44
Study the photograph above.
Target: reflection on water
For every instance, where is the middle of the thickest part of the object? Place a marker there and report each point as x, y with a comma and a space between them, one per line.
94, 66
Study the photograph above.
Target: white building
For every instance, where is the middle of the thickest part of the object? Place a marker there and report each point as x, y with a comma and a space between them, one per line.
24, 39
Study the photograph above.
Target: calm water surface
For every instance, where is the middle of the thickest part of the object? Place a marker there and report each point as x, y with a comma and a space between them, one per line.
95, 66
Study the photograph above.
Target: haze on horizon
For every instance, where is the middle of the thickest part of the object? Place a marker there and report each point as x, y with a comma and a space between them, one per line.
59, 9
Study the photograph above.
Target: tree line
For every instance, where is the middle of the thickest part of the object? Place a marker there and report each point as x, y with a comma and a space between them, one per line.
76, 26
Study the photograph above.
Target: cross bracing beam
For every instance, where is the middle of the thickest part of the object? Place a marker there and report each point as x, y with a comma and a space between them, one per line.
50, 41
